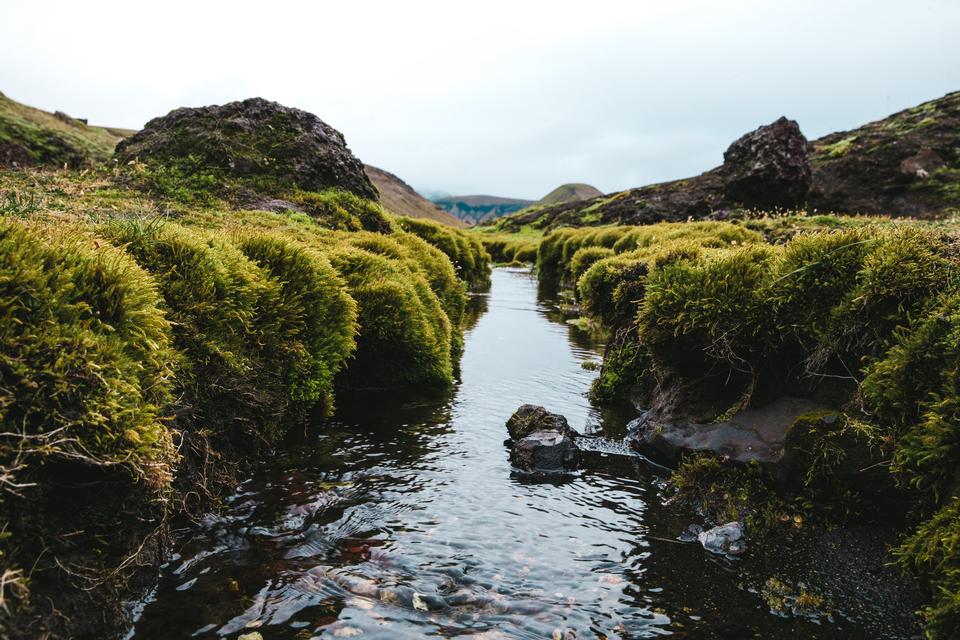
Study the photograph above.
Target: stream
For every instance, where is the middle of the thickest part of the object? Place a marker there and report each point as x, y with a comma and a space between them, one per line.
401, 517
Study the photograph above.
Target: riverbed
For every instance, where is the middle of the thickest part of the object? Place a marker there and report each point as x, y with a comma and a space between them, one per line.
401, 517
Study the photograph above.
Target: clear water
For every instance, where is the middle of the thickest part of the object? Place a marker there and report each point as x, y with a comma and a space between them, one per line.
402, 518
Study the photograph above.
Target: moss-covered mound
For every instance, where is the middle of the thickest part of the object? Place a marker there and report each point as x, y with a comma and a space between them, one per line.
264, 144
86, 358
30, 136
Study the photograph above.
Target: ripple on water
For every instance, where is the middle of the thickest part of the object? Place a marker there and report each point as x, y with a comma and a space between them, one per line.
405, 520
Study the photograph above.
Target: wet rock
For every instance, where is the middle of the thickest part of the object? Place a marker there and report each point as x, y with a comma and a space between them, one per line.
754, 434
253, 138
768, 167
546, 450
541, 440
529, 418
726, 540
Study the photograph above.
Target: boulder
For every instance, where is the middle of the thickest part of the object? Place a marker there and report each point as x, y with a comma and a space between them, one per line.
754, 434
253, 139
768, 167
542, 441
545, 450
529, 418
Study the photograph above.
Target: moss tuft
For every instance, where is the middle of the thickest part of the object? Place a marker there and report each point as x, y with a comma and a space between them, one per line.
467, 253
315, 320
86, 362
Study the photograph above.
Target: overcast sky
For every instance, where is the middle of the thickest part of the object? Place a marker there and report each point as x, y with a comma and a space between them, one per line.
507, 98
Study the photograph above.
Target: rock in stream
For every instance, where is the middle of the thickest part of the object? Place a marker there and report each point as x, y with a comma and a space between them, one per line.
542, 441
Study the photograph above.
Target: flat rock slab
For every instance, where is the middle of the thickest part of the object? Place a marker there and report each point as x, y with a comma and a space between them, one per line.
755, 434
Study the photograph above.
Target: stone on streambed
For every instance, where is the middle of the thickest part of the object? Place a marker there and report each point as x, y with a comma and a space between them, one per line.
754, 434
542, 441
725, 540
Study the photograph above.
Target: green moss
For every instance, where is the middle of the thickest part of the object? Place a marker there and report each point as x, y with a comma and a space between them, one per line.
467, 253
784, 599
934, 552
342, 210
920, 365
727, 492
38, 137
816, 274
510, 248
223, 308
709, 310
612, 288
316, 319
626, 366
584, 258
405, 337
86, 361
838, 149
186, 181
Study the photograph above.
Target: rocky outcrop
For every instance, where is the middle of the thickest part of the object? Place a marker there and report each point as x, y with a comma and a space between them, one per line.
529, 418
268, 143
907, 164
766, 168
542, 441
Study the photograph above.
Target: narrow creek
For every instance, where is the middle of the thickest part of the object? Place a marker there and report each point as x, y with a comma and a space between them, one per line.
402, 518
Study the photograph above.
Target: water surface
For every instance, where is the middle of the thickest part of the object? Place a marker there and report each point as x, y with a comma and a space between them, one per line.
402, 518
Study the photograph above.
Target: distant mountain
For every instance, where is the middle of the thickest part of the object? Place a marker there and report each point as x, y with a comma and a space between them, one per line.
570, 192
30, 136
476, 209
399, 198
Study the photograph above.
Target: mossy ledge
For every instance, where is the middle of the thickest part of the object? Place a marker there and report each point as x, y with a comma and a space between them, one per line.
164, 324
710, 318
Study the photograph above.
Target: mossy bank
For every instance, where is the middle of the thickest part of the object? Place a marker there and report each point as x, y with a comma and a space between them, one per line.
165, 322
859, 315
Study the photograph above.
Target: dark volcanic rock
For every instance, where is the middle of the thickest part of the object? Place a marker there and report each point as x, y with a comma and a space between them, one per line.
546, 450
253, 138
542, 441
768, 167
529, 418
755, 434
